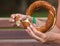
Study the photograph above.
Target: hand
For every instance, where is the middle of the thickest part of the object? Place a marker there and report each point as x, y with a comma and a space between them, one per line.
32, 31
21, 16
16, 18
50, 36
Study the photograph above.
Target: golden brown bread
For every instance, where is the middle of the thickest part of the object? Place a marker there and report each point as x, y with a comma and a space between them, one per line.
51, 14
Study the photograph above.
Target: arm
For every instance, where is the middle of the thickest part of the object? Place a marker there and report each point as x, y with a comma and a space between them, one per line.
58, 14
53, 37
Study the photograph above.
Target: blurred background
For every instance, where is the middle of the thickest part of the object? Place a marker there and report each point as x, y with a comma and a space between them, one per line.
8, 7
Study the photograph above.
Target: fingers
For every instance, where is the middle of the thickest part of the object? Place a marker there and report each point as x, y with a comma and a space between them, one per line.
34, 29
11, 20
31, 33
38, 33
13, 16
21, 16
35, 33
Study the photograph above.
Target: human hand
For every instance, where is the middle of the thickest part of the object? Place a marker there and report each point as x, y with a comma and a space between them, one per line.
32, 31
16, 18
52, 36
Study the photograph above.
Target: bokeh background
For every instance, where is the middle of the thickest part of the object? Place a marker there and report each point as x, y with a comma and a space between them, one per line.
14, 36
8, 7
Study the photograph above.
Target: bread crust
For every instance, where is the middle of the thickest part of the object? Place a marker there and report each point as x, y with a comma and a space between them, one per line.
51, 14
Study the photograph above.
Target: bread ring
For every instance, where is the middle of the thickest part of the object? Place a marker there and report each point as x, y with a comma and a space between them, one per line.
51, 14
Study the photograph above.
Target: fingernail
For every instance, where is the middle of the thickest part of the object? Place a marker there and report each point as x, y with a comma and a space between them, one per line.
12, 16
